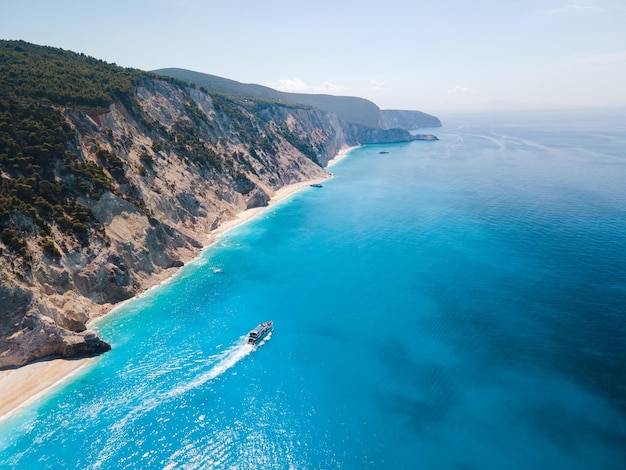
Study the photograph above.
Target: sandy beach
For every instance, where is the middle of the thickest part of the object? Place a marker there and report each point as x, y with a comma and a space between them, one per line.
20, 387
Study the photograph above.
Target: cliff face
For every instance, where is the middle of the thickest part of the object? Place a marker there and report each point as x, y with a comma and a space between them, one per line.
179, 163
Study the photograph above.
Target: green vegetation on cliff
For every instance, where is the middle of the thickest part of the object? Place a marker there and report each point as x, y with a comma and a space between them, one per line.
34, 153
42, 177
62, 77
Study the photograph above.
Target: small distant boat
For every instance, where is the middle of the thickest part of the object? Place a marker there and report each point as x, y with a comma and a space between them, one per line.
383, 152
316, 185
259, 332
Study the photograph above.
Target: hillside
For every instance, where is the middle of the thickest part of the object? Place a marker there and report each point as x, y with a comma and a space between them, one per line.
348, 108
351, 109
111, 178
394, 118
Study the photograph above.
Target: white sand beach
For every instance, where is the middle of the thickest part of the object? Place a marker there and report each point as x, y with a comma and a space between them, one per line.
21, 386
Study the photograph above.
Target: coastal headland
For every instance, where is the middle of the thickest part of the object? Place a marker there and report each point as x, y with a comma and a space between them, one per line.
110, 185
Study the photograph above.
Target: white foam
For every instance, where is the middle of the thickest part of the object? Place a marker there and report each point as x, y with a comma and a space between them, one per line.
220, 363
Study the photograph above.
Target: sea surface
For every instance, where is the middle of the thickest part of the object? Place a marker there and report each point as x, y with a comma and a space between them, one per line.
453, 304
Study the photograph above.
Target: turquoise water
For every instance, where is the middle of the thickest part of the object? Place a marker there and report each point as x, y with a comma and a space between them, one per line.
450, 304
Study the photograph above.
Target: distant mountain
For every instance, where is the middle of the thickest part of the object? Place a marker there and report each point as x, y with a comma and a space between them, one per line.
350, 109
391, 118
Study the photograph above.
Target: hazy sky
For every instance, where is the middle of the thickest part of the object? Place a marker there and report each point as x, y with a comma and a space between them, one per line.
436, 55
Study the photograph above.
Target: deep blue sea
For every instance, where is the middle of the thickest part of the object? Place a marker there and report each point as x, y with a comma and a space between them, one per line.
453, 304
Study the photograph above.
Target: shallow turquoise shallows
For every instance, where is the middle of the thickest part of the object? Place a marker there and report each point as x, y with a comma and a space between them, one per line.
450, 304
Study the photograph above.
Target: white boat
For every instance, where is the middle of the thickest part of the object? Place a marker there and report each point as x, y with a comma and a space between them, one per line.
259, 332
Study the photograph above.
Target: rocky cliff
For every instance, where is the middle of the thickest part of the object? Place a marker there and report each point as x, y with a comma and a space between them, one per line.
105, 192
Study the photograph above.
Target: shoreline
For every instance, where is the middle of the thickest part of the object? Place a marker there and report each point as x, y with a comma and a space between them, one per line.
280, 195
21, 386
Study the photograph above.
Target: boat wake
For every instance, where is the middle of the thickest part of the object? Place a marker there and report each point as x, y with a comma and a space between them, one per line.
220, 363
